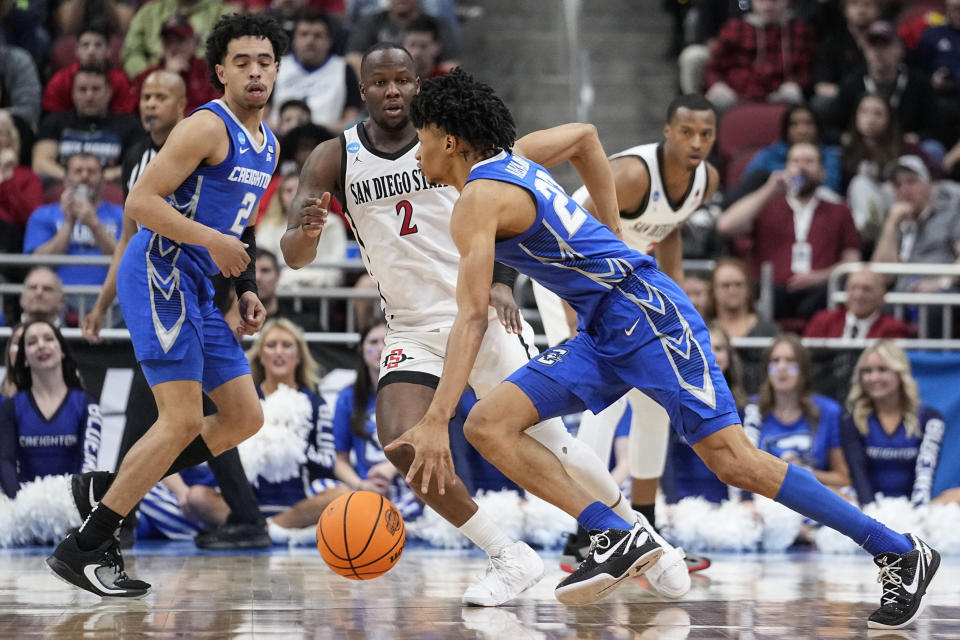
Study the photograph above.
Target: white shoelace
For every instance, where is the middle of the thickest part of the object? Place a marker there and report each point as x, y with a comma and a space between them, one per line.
891, 580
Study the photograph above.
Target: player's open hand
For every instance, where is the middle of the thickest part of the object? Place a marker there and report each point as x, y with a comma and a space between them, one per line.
252, 314
229, 254
313, 214
501, 299
92, 324
431, 454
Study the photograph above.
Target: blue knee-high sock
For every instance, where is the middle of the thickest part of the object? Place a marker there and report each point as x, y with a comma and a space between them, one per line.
803, 493
600, 516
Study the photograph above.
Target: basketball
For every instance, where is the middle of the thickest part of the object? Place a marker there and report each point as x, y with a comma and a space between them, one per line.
361, 535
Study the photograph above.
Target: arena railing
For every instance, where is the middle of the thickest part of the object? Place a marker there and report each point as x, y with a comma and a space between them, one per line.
902, 300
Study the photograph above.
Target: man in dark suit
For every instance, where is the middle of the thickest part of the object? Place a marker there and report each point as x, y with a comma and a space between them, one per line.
862, 316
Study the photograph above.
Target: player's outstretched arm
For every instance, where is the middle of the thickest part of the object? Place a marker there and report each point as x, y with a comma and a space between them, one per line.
200, 139
580, 145
319, 182
93, 321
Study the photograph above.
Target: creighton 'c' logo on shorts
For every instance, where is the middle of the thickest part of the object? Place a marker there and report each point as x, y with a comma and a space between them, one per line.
680, 346
552, 357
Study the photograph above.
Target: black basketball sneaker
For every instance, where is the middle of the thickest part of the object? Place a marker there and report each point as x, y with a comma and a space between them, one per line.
88, 488
905, 578
614, 556
99, 571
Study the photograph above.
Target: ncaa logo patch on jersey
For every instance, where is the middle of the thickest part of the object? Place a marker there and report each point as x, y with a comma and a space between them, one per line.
353, 147
242, 139
656, 196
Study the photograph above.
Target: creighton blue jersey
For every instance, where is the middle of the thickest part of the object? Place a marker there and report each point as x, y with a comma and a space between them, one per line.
566, 249
637, 327
224, 196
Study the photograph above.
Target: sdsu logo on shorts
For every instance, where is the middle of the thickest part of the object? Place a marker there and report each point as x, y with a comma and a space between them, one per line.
395, 358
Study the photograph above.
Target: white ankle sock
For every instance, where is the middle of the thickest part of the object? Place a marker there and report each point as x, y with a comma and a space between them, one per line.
484, 533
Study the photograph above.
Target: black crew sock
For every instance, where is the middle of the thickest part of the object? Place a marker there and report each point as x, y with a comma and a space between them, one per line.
648, 511
195, 453
236, 490
99, 526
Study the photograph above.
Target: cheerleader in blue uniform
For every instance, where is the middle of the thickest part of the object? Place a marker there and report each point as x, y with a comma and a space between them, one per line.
50, 426
891, 440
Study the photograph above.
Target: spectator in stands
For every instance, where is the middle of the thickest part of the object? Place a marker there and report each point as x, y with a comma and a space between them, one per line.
422, 41
908, 92
799, 124
280, 355
162, 102
89, 127
292, 114
71, 16
313, 73
93, 50
862, 316
788, 420
923, 225
298, 144
685, 475
708, 18
268, 275
50, 426
839, 52
143, 46
20, 189
19, 84
803, 229
390, 25
80, 224
23, 25
355, 430
698, 290
891, 440
180, 57
938, 55
870, 145
765, 55
8, 388
42, 297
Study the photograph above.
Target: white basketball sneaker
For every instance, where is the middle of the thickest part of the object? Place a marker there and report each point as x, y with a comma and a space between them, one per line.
509, 573
670, 576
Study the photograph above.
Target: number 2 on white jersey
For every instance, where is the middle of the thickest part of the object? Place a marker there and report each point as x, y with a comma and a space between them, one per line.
573, 219
246, 208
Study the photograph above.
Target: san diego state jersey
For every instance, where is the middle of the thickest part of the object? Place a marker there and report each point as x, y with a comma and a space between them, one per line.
657, 216
566, 249
224, 196
402, 224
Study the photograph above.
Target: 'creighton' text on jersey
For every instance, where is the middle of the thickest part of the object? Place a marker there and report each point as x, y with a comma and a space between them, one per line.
566, 249
402, 224
224, 196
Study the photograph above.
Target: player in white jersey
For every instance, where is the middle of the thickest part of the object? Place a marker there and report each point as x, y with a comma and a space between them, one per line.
659, 185
402, 224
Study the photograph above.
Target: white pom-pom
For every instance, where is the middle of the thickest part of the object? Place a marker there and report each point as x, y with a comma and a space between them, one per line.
503, 508
432, 528
830, 541
942, 523
682, 523
7, 524
698, 524
780, 524
42, 512
277, 450
544, 524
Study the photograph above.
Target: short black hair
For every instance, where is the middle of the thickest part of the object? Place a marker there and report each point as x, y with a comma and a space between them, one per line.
691, 101
95, 69
382, 46
785, 121
294, 103
82, 154
425, 24
460, 106
238, 25
98, 27
310, 15
270, 255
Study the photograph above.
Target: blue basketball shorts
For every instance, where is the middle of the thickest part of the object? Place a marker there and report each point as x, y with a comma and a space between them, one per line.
176, 330
645, 334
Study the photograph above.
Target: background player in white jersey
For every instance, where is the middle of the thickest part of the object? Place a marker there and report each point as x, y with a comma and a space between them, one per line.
194, 203
401, 222
659, 185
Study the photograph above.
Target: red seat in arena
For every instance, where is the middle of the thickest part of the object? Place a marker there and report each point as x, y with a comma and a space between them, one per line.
743, 130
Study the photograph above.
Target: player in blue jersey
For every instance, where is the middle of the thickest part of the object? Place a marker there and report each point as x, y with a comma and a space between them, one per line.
636, 329
50, 425
194, 203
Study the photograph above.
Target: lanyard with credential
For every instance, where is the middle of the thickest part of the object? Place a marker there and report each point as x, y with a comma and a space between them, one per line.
801, 254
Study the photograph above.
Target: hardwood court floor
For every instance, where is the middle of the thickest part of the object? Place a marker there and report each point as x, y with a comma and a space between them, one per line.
291, 594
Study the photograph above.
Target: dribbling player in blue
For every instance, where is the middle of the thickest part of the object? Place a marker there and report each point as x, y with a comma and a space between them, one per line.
193, 204
637, 329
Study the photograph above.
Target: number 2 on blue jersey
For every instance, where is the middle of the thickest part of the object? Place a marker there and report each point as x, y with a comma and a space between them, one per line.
572, 219
246, 208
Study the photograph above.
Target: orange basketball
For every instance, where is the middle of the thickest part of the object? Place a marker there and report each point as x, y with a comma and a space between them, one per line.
361, 535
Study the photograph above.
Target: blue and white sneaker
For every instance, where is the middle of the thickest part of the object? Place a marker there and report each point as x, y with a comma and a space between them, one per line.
614, 556
99, 571
905, 578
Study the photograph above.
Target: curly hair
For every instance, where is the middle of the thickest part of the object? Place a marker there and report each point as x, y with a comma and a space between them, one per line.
238, 25
462, 107
861, 406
